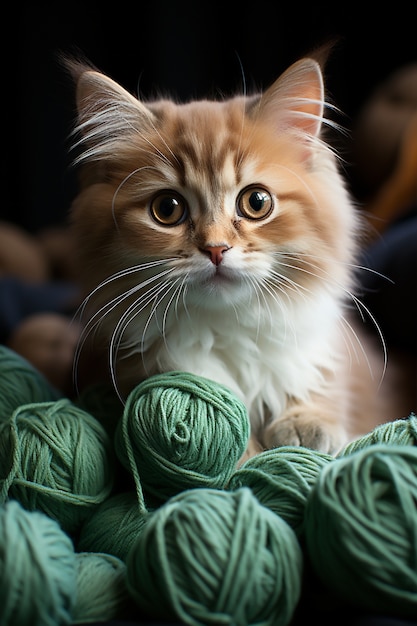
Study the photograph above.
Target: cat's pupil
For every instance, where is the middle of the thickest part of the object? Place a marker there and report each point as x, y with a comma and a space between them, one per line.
167, 207
257, 200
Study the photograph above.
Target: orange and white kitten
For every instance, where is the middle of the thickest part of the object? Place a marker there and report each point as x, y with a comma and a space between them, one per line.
217, 237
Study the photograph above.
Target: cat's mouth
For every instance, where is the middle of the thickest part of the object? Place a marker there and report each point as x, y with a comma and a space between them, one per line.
222, 276
222, 281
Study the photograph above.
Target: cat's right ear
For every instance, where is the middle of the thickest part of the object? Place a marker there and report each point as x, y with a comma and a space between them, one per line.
107, 113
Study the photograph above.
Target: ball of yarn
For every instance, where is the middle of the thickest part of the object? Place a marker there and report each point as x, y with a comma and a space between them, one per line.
113, 526
21, 383
102, 401
57, 458
281, 479
361, 528
181, 431
209, 556
397, 432
37, 569
102, 593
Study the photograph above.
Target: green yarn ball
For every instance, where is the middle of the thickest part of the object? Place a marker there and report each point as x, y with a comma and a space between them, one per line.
281, 479
57, 458
21, 383
113, 526
361, 529
181, 431
397, 432
102, 593
102, 401
209, 556
37, 569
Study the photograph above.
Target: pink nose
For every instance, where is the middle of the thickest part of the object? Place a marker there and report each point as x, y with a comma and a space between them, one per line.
215, 253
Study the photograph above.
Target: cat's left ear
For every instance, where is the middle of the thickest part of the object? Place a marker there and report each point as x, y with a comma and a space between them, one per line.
295, 100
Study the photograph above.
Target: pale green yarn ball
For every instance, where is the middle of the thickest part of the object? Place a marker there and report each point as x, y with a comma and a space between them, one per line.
38, 580
210, 556
397, 432
361, 529
113, 526
57, 458
281, 479
181, 431
102, 593
21, 383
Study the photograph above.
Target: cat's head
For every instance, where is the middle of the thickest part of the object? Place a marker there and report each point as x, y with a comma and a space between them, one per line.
232, 194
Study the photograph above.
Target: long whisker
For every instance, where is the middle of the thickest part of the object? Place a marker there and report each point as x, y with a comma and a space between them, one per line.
361, 307
173, 297
95, 320
271, 285
99, 315
128, 316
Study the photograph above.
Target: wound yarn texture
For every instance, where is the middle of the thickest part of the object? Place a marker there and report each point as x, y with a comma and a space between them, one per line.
398, 432
281, 479
113, 526
215, 557
102, 593
21, 383
57, 458
181, 431
38, 581
361, 528
102, 401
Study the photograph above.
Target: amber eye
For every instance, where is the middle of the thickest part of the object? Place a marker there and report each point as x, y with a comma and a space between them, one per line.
254, 203
168, 208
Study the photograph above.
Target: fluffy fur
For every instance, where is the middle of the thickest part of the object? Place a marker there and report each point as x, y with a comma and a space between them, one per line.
218, 237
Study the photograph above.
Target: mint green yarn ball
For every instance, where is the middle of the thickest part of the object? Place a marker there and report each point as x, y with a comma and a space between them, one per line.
38, 580
210, 556
181, 431
21, 383
281, 479
113, 526
398, 432
56, 458
361, 529
102, 593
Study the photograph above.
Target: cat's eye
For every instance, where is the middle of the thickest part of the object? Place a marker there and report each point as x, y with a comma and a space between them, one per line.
254, 203
168, 208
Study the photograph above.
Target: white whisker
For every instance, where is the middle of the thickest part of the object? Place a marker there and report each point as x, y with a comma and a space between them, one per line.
362, 309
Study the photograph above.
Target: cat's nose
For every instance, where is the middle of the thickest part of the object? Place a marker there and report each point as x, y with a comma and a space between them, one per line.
215, 253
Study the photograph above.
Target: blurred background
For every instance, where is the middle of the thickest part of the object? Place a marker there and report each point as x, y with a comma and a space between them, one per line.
187, 49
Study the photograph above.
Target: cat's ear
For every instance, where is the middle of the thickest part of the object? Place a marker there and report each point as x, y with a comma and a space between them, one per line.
107, 112
295, 100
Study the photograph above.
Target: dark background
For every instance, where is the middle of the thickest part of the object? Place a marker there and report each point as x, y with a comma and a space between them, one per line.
188, 49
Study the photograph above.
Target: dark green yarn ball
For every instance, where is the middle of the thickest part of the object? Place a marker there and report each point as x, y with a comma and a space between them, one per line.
113, 526
361, 529
102, 401
21, 383
102, 593
281, 479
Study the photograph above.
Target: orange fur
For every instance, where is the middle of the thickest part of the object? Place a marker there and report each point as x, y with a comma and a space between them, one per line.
249, 286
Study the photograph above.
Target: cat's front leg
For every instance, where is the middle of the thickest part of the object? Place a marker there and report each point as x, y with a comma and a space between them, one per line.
309, 424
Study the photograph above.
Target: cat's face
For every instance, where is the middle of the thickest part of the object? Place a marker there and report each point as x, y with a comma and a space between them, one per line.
239, 199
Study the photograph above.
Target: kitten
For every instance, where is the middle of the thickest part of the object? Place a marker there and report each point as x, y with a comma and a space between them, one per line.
218, 237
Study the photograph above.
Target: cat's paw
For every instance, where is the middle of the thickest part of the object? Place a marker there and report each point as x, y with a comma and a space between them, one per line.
303, 430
